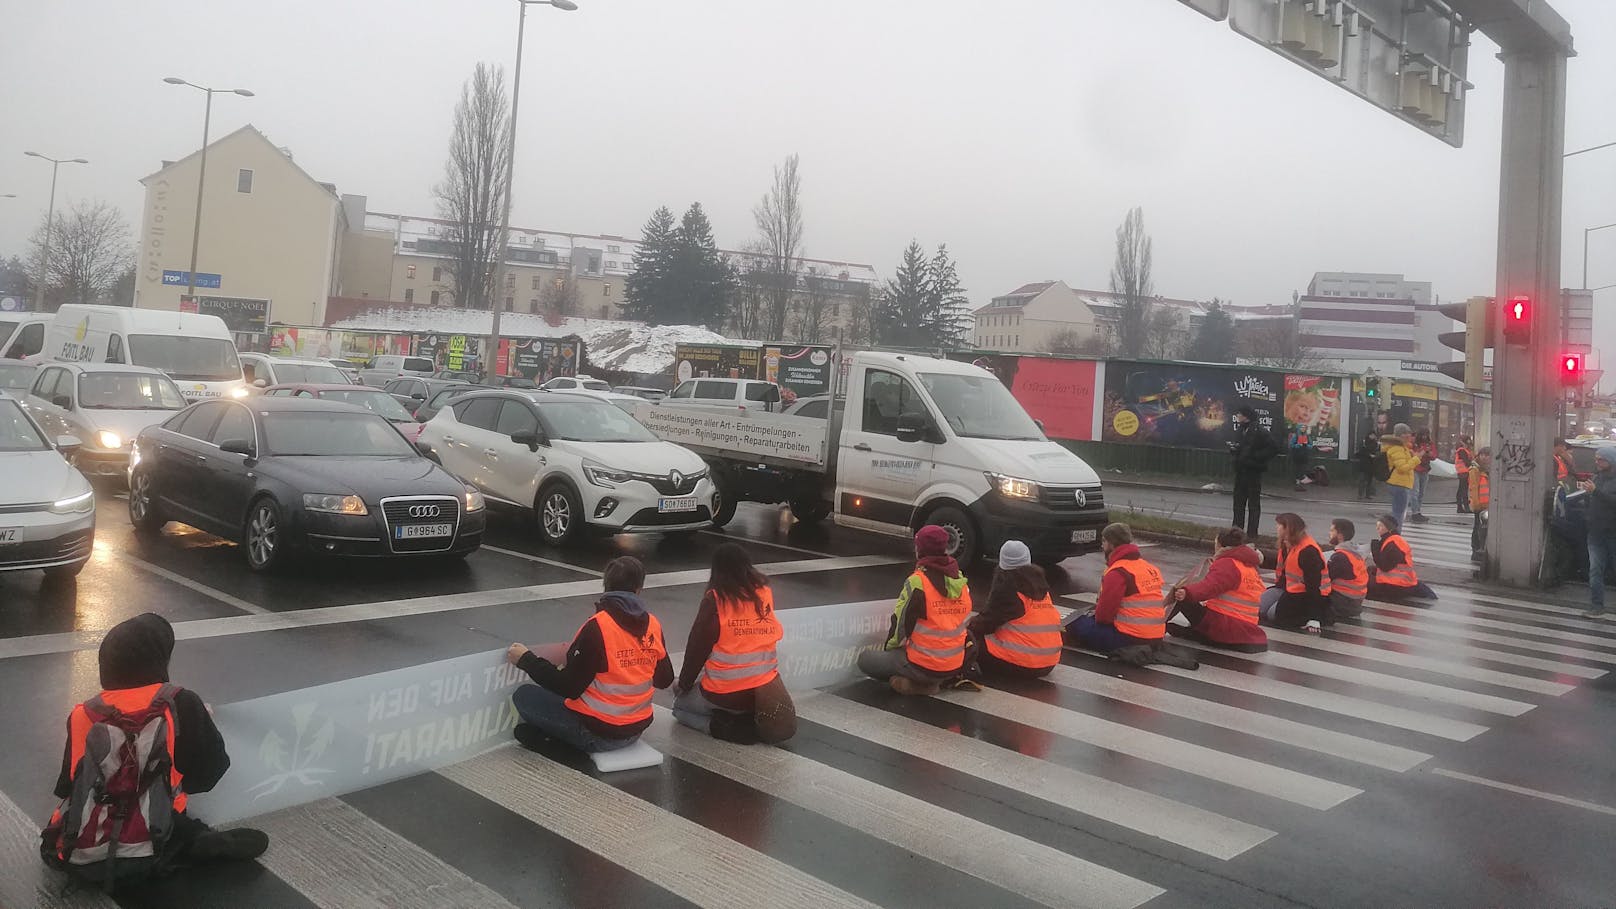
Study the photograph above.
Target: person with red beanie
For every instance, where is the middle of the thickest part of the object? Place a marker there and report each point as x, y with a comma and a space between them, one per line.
925, 643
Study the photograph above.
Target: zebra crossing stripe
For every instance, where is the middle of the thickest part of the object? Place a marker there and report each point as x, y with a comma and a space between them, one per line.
1479, 653
678, 855
1244, 773
1562, 609
1429, 617
1552, 621
1449, 634
338, 858
24, 879
1426, 663
1260, 725
1143, 812
1014, 863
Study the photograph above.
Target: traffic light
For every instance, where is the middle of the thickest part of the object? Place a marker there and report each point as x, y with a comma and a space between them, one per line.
1571, 370
1518, 320
1371, 388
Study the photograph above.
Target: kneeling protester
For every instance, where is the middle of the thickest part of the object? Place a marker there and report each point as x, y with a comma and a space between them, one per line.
1222, 607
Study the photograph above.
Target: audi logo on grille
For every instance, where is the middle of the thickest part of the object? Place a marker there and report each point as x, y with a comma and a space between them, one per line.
1082, 499
425, 511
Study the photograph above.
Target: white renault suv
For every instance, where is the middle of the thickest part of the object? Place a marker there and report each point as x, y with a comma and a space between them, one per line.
576, 461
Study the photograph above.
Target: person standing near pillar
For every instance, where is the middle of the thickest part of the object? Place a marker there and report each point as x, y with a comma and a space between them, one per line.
1601, 527
1252, 449
1462, 459
1480, 496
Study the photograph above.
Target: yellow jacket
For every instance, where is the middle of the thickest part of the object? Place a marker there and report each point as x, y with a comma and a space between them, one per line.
1401, 460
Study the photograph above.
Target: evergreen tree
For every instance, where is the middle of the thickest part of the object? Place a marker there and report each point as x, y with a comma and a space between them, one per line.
923, 305
947, 307
646, 290
1214, 343
701, 283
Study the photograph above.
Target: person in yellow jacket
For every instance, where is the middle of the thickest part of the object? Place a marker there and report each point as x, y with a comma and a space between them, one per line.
1399, 451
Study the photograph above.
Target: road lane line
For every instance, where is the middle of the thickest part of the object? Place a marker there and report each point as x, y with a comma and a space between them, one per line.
213, 593
1014, 863
515, 554
1562, 620
338, 858
678, 855
1415, 615
1430, 664
1250, 722
24, 879
1562, 609
1522, 790
1479, 653
1115, 803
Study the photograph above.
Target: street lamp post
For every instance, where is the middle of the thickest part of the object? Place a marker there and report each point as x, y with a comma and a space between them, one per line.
497, 303
202, 170
50, 224
1585, 232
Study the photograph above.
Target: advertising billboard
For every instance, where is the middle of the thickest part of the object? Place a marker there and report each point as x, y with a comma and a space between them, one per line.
803, 368
1314, 402
539, 359
1185, 405
697, 361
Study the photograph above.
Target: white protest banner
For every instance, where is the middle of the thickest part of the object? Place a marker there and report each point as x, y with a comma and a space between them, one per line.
822, 643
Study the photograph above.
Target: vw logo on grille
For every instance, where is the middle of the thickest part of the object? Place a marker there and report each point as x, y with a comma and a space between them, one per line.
1082, 498
425, 511
677, 478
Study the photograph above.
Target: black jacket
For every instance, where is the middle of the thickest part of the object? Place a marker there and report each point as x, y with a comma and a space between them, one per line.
586, 658
1253, 449
1602, 504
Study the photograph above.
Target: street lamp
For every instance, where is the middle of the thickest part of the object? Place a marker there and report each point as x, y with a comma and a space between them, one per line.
1585, 232
510, 176
202, 170
50, 223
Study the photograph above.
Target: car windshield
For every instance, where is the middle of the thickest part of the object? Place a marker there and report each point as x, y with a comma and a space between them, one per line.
312, 373
128, 391
16, 376
17, 432
590, 421
417, 364
195, 359
347, 435
375, 400
979, 407
594, 385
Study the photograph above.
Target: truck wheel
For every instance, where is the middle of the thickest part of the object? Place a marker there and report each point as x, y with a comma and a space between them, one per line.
964, 542
810, 511
723, 501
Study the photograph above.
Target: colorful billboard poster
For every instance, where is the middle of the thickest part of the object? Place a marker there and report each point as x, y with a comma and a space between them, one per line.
1314, 402
805, 369
449, 352
1186, 406
697, 361
539, 359
1061, 394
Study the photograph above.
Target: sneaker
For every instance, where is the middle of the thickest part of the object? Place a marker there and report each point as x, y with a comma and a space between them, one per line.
1313, 627
1594, 614
903, 684
241, 844
961, 683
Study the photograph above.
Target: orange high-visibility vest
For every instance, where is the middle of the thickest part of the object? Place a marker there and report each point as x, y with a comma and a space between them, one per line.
1141, 614
621, 695
124, 700
1461, 460
1483, 491
1403, 575
938, 642
744, 655
1293, 568
1356, 587
1033, 640
1243, 601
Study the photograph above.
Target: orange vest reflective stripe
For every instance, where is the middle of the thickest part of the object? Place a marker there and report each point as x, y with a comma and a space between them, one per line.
1356, 587
1403, 575
1294, 582
1243, 601
938, 642
1141, 614
621, 695
1033, 640
1560, 471
1461, 460
125, 700
1483, 491
744, 655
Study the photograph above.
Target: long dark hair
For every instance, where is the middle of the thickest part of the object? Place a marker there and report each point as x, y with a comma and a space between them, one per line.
1028, 580
734, 576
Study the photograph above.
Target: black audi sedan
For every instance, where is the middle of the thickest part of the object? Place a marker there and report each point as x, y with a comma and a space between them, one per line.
286, 475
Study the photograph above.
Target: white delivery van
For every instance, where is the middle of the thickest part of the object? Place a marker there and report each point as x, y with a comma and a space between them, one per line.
22, 334
198, 352
909, 441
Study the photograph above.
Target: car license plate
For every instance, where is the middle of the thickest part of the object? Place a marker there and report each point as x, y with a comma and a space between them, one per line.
417, 531
1084, 536
10, 534
667, 506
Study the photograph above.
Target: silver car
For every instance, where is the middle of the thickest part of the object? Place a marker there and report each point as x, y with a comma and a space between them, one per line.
104, 405
47, 509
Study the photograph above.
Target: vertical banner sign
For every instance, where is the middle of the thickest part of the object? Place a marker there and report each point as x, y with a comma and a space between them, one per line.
1315, 403
1186, 406
539, 359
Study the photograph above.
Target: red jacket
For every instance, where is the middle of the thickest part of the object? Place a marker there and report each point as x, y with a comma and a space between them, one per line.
1115, 585
1220, 578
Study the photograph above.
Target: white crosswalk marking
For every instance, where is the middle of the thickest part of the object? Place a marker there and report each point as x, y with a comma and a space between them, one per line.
24, 879
1563, 609
1479, 653
1446, 634
1553, 621
1433, 665
1418, 616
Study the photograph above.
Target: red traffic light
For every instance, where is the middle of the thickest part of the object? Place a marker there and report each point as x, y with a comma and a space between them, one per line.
1571, 369
1518, 320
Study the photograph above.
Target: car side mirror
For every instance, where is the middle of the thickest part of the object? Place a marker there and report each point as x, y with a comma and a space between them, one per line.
417, 396
69, 445
260, 383
913, 427
63, 401
237, 446
526, 437
424, 448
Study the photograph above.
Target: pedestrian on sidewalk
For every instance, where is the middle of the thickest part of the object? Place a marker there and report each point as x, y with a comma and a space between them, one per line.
117, 821
599, 699
1480, 495
1425, 452
1301, 451
1394, 578
1018, 635
1565, 470
1252, 449
1130, 610
1462, 459
730, 686
1368, 448
1222, 607
1601, 526
1397, 448
925, 645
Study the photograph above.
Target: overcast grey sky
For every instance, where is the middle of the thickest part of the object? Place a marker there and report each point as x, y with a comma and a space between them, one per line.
1017, 132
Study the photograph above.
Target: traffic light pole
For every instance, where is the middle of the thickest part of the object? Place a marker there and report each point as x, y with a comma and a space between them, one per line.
1525, 376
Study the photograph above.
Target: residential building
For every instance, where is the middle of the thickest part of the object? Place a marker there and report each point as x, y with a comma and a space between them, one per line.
1049, 316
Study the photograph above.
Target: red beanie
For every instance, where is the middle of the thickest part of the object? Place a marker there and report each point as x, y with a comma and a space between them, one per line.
931, 540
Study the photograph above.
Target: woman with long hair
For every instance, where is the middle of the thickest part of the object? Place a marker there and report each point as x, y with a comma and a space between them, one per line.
1425, 452
730, 685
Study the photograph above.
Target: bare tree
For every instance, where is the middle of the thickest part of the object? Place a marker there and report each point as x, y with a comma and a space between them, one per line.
751, 291
1131, 282
1166, 334
1278, 343
472, 193
861, 312
779, 223
812, 311
561, 295
91, 249
1071, 342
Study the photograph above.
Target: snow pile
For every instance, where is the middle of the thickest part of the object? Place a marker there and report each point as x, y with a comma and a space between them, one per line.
623, 346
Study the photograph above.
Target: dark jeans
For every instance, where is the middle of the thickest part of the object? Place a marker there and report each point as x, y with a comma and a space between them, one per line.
1366, 483
1248, 502
1464, 493
1084, 631
1478, 532
1601, 556
548, 711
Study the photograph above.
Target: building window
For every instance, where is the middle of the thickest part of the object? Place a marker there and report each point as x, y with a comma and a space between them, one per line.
437, 273
409, 295
409, 272
605, 290
510, 282
533, 305
435, 298
508, 302
244, 181
613, 249
535, 282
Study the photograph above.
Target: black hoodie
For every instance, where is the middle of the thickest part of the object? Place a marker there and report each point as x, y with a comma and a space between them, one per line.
586, 658
135, 654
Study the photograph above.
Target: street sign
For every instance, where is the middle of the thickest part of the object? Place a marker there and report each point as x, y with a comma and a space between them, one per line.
239, 314
183, 278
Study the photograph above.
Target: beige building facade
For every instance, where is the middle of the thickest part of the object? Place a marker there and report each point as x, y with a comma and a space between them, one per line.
1031, 318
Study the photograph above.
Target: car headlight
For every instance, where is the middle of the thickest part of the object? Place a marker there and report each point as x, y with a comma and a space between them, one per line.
239, 392
80, 504
601, 475
474, 500
1012, 487
334, 504
109, 440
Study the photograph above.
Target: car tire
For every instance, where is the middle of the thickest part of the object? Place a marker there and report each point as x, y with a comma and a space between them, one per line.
65, 572
724, 512
560, 514
810, 511
264, 535
144, 512
965, 541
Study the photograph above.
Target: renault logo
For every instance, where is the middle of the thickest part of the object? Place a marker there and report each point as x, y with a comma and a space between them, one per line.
677, 478
425, 511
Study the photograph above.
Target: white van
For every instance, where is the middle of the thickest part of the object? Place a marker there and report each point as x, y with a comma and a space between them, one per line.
198, 352
22, 334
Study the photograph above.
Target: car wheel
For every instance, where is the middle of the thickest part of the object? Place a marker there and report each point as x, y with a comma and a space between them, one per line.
264, 536
723, 503
65, 572
560, 514
810, 511
964, 543
144, 512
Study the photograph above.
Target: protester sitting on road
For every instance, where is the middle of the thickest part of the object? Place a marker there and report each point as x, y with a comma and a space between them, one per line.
1480, 496
1129, 611
1018, 635
1601, 527
1300, 597
1392, 576
599, 699
106, 799
1349, 576
925, 644
1222, 607
1398, 451
730, 685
